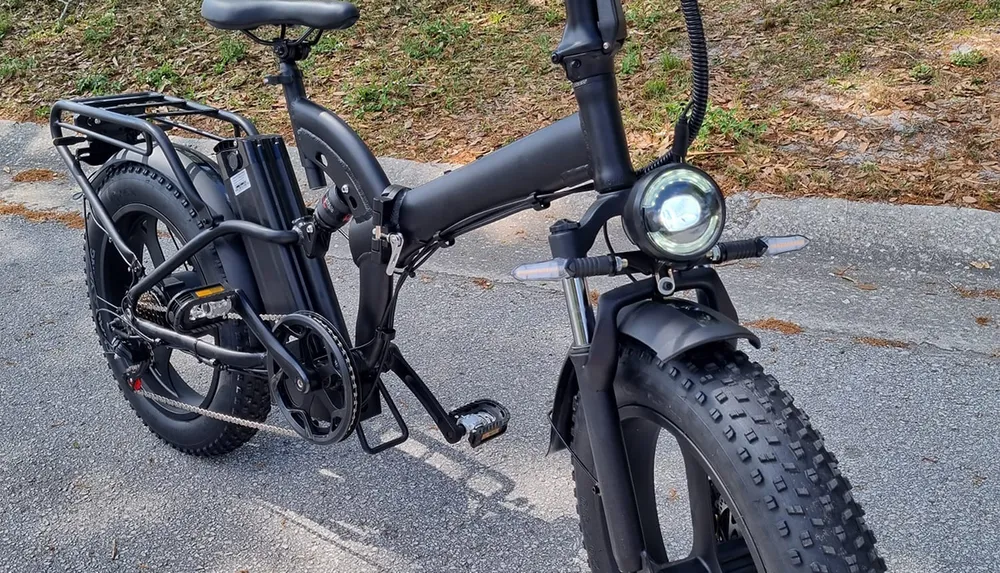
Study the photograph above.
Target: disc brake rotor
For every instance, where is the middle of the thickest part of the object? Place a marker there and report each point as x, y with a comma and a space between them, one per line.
326, 412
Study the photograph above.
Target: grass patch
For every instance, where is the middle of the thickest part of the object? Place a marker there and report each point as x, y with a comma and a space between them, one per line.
987, 11
970, 59
161, 76
13, 67
96, 84
328, 44
433, 38
231, 51
670, 63
101, 30
385, 96
631, 61
6, 24
723, 125
849, 62
655, 89
922, 73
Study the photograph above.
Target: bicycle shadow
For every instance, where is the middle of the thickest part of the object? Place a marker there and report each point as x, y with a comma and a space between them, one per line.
433, 509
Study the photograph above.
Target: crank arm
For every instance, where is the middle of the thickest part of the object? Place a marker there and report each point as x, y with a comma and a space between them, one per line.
449, 426
275, 350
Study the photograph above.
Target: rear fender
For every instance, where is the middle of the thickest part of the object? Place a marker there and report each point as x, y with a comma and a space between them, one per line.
669, 328
211, 188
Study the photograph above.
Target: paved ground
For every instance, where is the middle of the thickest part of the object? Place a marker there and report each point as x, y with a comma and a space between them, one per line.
83, 487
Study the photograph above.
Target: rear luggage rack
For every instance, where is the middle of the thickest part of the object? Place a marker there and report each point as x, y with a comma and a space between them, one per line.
109, 123
104, 126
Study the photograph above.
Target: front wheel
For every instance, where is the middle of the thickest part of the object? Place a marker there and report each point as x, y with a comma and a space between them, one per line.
765, 494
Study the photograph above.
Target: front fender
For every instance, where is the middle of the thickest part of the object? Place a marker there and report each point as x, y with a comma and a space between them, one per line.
214, 204
669, 328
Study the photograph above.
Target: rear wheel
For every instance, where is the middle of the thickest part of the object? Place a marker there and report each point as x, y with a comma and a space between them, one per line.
765, 495
154, 218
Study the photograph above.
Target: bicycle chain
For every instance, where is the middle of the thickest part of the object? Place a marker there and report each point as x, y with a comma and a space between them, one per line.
260, 426
288, 433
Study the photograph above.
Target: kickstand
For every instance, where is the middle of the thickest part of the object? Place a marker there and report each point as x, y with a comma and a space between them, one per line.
403, 430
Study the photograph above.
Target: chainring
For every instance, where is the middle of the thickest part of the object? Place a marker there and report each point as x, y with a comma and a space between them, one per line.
327, 412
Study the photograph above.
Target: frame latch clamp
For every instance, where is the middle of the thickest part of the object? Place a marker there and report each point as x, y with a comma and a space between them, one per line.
395, 241
395, 249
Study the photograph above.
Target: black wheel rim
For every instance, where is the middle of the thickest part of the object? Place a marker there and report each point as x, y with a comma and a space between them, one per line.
171, 374
642, 429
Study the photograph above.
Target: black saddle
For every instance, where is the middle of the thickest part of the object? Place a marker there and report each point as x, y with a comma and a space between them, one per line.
250, 14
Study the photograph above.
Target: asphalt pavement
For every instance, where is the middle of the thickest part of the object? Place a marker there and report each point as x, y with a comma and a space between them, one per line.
898, 364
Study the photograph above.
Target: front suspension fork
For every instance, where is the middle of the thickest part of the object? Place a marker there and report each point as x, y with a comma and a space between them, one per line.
594, 355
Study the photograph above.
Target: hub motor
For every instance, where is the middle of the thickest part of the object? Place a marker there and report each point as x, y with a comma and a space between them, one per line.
323, 410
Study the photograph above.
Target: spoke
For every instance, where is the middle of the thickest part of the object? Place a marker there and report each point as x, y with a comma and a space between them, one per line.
169, 380
303, 421
152, 242
702, 511
161, 369
640, 444
210, 394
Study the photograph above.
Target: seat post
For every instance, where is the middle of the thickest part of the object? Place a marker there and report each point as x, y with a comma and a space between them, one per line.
290, 79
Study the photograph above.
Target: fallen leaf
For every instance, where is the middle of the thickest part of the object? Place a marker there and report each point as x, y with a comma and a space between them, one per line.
969, 199
867, 286
949, 195
981, 265
881, 342
840, 135
432, 134
777, 325
863, 147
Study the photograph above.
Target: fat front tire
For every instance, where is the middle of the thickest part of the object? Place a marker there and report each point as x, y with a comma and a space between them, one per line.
790, 503
131, 192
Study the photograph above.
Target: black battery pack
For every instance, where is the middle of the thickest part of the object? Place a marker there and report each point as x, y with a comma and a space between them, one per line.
262, 189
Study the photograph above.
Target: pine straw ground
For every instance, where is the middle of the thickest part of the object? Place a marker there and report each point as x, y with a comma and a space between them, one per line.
890, 100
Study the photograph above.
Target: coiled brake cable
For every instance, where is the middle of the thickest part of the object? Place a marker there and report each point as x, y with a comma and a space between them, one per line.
690, 121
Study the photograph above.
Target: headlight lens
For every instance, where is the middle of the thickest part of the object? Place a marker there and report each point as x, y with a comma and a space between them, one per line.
675, 213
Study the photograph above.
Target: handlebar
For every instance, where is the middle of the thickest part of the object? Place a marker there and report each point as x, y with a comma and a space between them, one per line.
612, 265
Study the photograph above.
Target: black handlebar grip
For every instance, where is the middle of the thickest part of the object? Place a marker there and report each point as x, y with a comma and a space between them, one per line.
592, 267
742, 249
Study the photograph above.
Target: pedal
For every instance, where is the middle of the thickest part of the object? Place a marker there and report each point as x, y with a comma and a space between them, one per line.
197, 309
483, 421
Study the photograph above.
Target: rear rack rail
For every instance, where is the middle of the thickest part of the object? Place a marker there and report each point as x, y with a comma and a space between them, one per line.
103, 126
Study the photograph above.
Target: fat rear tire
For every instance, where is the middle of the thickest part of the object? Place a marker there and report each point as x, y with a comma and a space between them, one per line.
124, 187
795, 506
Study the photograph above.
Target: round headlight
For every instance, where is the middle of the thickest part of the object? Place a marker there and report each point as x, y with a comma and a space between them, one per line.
675, 213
